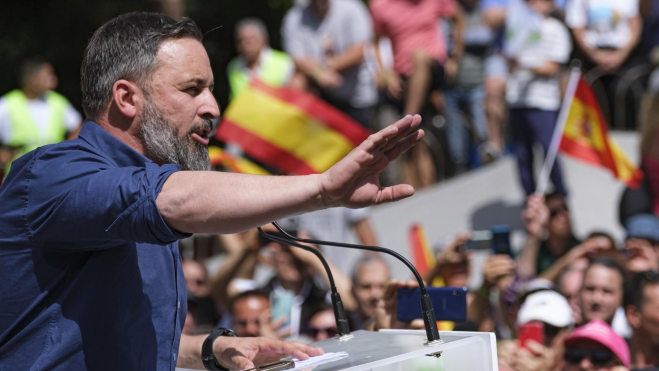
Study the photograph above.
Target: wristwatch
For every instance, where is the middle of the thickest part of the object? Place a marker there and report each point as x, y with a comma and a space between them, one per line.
207, 356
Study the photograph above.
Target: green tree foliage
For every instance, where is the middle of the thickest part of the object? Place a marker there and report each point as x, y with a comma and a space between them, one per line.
58, 30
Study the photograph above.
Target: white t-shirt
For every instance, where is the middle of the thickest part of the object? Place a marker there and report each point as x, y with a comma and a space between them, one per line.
551, 43
40, 112
606, 22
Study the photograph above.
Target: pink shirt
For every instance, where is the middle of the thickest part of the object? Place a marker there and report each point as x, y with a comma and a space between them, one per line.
412, 25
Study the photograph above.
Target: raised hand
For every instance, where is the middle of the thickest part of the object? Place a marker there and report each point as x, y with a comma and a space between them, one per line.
536, 215
353, 181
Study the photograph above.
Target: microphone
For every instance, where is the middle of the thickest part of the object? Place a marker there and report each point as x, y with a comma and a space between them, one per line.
427, 310
337, 305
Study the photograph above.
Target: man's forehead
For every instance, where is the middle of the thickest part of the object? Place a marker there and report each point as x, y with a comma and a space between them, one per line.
185, 58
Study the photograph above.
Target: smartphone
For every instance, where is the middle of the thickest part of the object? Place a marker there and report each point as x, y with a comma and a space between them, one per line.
449, 303
501, 240
480, 240
533, 330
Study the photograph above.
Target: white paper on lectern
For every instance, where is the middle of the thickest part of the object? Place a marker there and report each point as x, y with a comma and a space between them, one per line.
318, 360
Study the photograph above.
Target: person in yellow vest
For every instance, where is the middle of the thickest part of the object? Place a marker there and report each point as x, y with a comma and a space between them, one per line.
257, 59
34, 115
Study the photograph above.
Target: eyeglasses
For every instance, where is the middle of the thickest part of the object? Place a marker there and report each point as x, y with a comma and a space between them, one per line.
598, 357
330, 331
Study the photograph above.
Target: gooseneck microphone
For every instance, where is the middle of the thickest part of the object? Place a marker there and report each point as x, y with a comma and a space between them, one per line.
426, 305
337, 305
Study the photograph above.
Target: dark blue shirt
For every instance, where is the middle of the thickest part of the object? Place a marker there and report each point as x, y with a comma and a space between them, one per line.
90, 274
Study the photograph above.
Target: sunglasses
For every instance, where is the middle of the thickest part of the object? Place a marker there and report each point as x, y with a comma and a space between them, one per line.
330, 331
598, 357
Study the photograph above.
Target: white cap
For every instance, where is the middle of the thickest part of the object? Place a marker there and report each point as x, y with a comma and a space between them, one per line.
546, 306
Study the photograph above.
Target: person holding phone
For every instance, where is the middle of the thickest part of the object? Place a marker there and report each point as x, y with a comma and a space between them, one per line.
543, 319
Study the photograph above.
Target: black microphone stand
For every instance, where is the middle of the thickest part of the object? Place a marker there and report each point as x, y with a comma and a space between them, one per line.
427, 310
337, 305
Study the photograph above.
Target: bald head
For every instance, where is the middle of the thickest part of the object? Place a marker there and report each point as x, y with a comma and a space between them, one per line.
370, 277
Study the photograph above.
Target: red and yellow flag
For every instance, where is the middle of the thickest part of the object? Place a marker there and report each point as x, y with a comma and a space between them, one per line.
421, 251
586, 137
220, 157
291, 131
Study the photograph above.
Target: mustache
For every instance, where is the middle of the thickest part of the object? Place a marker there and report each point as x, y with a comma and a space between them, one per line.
203, 125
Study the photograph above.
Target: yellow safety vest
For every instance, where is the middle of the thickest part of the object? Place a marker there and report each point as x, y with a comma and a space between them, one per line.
274, 72
25, 134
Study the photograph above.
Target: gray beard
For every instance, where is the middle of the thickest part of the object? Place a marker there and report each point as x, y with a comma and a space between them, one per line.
163, 145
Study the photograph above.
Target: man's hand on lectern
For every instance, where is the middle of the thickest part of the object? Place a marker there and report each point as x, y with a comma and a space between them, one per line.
353, 181
242, 353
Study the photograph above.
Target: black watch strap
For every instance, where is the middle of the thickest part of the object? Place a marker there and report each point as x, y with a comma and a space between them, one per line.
207, 356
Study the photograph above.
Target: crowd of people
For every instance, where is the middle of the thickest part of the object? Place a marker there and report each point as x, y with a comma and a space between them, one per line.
494, 69
595, 302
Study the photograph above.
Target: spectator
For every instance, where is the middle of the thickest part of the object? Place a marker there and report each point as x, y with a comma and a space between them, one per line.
294, 292
553, 311
605, 31
369, 280
34, 115
550, 217
569, 284
642, 243
650, 149
452, 267
421, 62
534, 95
256, 58
642, 309
420, 52
602, 291
322, 325
199, 290
579, 257
595, 346
498, 273
251, 316
466, 88
336, 224
236, 272
326, 40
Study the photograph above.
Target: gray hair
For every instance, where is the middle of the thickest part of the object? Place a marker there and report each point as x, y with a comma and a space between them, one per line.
126, 48
253, 22
365, 260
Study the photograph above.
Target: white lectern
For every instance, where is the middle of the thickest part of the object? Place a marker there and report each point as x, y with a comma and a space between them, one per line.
388, 349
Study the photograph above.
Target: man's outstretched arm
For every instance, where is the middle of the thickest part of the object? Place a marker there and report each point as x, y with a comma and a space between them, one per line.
215, 202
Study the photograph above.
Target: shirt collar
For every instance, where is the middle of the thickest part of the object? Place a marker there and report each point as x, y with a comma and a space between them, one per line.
111, 146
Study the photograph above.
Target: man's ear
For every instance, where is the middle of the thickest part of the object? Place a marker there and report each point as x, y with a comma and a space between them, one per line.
127, 97
633, 316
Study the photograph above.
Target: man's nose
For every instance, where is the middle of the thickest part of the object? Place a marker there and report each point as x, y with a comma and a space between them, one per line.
209, 108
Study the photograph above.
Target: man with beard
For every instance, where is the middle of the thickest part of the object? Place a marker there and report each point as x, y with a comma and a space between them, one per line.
91, 272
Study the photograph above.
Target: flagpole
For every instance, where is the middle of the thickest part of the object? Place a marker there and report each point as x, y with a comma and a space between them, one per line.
552, 151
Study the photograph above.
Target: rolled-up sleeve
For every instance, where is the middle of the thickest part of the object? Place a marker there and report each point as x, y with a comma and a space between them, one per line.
86, 204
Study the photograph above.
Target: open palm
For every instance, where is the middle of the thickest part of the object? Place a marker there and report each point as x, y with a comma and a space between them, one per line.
354, 181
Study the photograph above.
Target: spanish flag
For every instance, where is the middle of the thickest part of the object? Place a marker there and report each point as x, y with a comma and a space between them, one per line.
220, 157
420, 248
289, 130
586, 137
